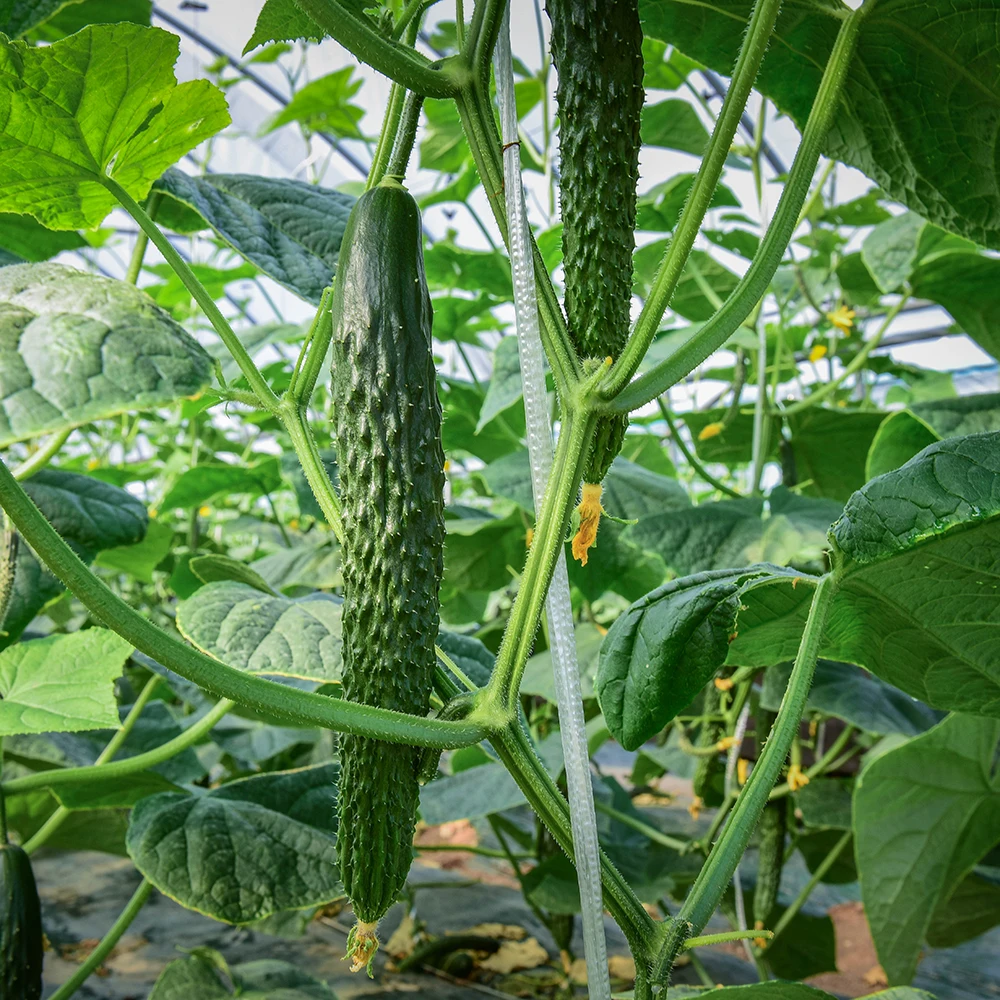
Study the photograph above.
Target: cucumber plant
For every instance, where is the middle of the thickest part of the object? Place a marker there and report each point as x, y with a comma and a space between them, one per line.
329, 578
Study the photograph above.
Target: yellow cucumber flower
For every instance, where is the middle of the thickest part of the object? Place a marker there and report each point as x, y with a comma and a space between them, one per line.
843, 319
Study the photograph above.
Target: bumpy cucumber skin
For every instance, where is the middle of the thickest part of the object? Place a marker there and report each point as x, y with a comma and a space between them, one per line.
771, 830
597, 49
21, 941
771, 836
391, 468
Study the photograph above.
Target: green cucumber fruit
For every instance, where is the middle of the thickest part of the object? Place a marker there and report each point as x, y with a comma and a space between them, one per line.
771, 831
391, 467
21, 941
597, 49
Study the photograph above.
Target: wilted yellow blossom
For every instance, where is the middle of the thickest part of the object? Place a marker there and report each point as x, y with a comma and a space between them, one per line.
590, 519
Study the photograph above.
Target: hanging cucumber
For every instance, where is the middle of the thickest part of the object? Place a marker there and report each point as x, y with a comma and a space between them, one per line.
771, 830
21, 939
391, 467
597, 49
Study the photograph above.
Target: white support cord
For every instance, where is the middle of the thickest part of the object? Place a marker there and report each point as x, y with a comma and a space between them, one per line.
572, 727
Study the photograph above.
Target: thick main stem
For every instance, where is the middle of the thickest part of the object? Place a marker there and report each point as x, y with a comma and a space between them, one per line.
548, 543
398, 62
514, 750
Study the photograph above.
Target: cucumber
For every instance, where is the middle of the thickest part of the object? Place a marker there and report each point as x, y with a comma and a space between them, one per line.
708, 779
771, 839
391, 467
771, 830
21, 941
597, 50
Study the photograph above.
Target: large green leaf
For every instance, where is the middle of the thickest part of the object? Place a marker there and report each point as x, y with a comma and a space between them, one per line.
734, 533
76, 14
202, 482
972, 909
901, 436
291, 230
325, 105
63, 683
75, 348
919, 118
918, 597
924, 814
966, 285
674, 124
205, 975
31, 241
110, 106
846, 692
661, 652
245, 850
962, 415
265, 634
829, 448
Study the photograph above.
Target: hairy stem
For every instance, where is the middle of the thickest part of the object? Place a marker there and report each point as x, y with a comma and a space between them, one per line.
513, 748
107, 771
772, 248
400, 63
550, 534
755, 43
41, 457
715, 876
57, 818
101, 952
289, 704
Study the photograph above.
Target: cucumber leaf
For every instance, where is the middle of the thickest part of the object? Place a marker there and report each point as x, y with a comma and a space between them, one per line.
900, 437
75, 347
111, 107
918, 595
661, 652
200, 483
265, 634
924, 814
63, 683
291, 230
245, 850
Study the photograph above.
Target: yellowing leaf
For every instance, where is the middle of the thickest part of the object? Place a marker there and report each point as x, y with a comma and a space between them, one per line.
514, 955
101, 103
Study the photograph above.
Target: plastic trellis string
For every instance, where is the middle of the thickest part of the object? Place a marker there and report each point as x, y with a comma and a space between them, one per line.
572, 725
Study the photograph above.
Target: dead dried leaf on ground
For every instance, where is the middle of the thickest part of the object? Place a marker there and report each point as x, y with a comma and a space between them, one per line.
515, 955
502, 932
